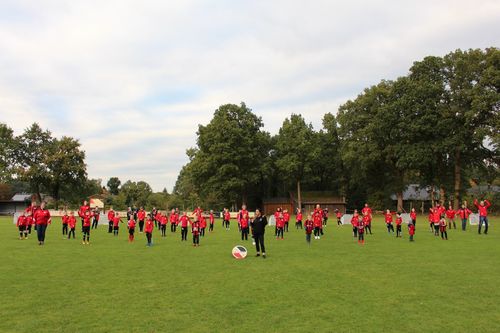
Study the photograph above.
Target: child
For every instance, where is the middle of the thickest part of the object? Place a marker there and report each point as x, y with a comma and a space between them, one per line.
464, 213
65, 223
148, 228
309, 226
299, 220
317, 222
86, 216
111, 217
71, 225
361, 231
339, 216
131, 230
141, 216
482, 209
244, 222
203, 225
96, 215
367, 221
399, 221
325, 216
116, 224
442, 228
354, 223
280, 223
195, 230
212, 221
286, 220
388, 221
163, 225
413, 217
21, 225
435, 219
411, 231
450, 215
173, 221
184, 220
227, 217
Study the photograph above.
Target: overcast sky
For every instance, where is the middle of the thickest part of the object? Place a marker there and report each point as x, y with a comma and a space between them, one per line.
133, 79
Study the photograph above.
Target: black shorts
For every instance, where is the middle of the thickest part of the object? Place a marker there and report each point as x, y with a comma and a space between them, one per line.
131, 231
86, 229
116, 227
22, 227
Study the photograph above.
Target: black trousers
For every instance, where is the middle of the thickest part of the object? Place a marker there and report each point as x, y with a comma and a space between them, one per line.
298, 224
464, 224
354, 231
141, 225
244, 233
286, 226
390, 227
86, 233
149, 237
72, 231
40, 231
211, 227
279, 232
196, 239
316, 231
259, 242
398, 230
361, 236
184, 233
65, 229
163, 230
173, 227
369, 228
110, 227
95, 222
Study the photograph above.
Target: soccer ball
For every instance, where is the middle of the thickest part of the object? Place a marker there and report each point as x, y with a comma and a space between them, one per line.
239, 252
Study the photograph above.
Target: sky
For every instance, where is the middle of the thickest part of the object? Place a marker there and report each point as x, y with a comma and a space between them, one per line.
132, 80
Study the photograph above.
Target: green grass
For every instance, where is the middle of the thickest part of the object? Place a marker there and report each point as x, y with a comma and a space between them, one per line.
388, 285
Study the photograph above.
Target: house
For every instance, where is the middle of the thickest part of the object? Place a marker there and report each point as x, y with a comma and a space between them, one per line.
18, 203
309, 201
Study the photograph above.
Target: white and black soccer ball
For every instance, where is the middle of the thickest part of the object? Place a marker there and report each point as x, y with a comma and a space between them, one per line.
239, 252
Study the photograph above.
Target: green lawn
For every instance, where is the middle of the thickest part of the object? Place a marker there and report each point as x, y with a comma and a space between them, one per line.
388, 284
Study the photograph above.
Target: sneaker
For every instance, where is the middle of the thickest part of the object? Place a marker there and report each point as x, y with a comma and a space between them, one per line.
257, 255
264, 255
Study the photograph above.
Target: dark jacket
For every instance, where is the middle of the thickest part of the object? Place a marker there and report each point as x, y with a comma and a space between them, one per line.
259, 225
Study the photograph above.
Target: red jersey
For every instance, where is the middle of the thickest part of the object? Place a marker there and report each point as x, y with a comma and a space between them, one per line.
195, 228
174, 218
355, 220
309, 226
464, 213
435, 215
299, 217
286, 217
413, 215
141, 214
64, 219
212, 218
42, 217
158, 217
366, 220
111, 215
280, 222
203, 222
163, 220
388, 217
339, 215
116, 221
361, 228
96, 215
483, 210
82, 210
184, 221
131, 224
149, 226
412, 229
450, 213
244, 219
227, 216
366, 210
86, 218
21, 221
71, 222
399, 220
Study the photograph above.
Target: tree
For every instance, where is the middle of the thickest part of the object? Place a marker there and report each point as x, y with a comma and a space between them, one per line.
231, 150
65, 163
294, 150
114, 185
136, 193
7, 144
31, 151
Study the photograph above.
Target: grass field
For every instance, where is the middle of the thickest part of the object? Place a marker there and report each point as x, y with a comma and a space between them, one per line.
335, 285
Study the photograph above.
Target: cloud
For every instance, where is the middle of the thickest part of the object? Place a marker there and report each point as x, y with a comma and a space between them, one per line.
132, 80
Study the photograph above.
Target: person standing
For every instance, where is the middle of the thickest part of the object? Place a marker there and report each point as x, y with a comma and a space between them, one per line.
361, 231
399, 222
286, 220
317, 221
21, 226
212, 221
163, 225
64, 219
298, 223
185, 221
367, 223
309, 226
411, 231
148, 229
227, 218
96, 215
442, 228
259, 228
388, 220
131, 230
195, 230
83, 208
450, 216
42, 220
280, 224
464, 214
482, 208
141, 216
413, 217
244, 225
116, 224
87, 217
71, 224
111, 217
339, 217
174, 218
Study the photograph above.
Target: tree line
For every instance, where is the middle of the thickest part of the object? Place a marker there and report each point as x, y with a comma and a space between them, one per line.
437, 126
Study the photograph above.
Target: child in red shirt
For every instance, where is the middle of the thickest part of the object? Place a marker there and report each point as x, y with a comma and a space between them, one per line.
354, 223
361, 231
163, 225
450, 215
87, 217
411, 231
131, 230
212, 221
116, 224
298, 224
203, 225
399, 221
367, 221
244, 223
338, 214
148, 229
388, 221
309, 226
21, 224
413, 217
71, 224
195, 230
317, 222
64, 219
442, 228
280, 223
184, 220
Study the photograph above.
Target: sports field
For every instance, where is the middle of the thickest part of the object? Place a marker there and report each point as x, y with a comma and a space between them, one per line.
335, 285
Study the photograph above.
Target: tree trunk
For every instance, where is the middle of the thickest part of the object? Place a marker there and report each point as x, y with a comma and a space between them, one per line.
299, 196
458, 180
399, 196
442, 194
432, 196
